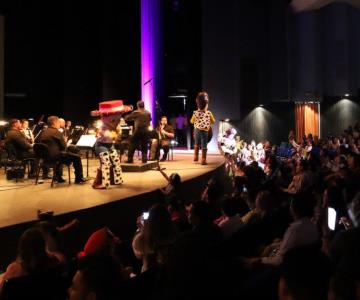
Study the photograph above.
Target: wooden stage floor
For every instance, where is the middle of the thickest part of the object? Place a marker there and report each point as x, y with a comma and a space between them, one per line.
20, 201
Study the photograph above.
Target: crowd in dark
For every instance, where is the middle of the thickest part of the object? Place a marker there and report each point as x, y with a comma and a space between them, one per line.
267, 237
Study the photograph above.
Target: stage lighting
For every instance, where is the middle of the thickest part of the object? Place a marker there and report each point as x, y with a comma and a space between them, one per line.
347, 95
226, 120
261, 105
3, 123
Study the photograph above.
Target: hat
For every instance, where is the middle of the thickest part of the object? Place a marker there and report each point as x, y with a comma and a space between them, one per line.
111, 107
98, 242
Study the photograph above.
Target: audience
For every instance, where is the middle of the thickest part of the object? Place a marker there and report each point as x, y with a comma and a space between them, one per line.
269, 233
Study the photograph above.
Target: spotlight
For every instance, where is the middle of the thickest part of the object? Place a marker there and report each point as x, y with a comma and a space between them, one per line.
226, 120
261, 105
347, 95
3, 123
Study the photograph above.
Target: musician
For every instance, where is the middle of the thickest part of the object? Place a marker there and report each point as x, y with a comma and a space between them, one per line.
165, 133
141, 118
57, 147
67, 137
17, 142
27, 131
107, 134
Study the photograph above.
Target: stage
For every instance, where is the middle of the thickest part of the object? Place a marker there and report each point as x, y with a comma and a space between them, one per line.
20, 201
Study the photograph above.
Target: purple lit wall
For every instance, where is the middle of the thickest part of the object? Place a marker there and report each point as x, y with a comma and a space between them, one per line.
150, 37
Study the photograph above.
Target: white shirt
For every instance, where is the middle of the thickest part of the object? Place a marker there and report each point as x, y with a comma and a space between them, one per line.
300, 233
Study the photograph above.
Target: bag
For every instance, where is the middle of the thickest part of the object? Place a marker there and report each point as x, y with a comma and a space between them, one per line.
15, 173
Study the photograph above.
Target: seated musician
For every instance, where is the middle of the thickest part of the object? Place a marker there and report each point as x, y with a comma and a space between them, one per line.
70, 147
52, 137
165, 133
17, 142
27, 131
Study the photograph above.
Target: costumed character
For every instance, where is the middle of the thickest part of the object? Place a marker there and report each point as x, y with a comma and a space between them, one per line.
229, 150
202, 119
110, 113
260, 155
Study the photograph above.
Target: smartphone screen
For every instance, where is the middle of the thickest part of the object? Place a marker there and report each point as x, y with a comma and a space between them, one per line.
145, 215
331, 218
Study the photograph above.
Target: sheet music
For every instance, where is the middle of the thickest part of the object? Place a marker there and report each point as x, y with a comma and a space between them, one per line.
86, 140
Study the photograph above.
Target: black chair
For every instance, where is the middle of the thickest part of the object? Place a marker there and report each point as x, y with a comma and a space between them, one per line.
50, 285
11, 159
42, 154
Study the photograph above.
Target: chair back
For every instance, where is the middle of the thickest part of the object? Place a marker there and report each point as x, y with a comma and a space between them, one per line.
41, 151
10, 150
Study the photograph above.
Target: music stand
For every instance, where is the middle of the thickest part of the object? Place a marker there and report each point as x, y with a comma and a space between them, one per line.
87, 142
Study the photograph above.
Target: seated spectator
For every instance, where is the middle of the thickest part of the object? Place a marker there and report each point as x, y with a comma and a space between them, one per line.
301, 232
97, 278
305, 274
301, 181
152, 242
231, 221
258, 209
32, 256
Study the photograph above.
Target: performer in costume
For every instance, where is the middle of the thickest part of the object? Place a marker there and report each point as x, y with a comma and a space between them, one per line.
110, 113
229, 150
202, 119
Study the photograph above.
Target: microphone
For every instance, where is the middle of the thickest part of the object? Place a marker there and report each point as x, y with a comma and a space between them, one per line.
148, 81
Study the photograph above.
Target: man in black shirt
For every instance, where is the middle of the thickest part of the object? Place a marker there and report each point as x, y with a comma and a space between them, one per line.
141, 118
18, 145
164, 133
54, 139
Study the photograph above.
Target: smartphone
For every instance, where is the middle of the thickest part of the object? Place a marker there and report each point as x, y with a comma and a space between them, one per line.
331, 218
245, 189
145, 215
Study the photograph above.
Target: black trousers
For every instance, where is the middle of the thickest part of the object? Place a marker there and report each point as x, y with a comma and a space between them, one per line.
156, 145
139, 140
68, 158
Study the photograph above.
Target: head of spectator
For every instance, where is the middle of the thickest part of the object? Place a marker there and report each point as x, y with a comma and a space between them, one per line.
102, 243
200, 214
305, 274
97, 278
230, 206
159, 234
263, 202
353, 161
302, 205
54, 122
32, 254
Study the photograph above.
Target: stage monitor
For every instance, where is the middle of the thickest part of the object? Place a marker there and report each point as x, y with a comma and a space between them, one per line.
86, 140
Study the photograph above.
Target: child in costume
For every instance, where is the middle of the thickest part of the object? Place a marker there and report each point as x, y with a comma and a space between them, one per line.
202, 119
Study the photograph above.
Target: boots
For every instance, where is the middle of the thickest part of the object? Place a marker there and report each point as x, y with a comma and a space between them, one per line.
203, 157
117, 172
105, 170
196, 153
97, 181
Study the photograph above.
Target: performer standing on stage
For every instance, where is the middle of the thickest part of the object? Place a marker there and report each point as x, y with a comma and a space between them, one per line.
140, 138
110, 112
202, 119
